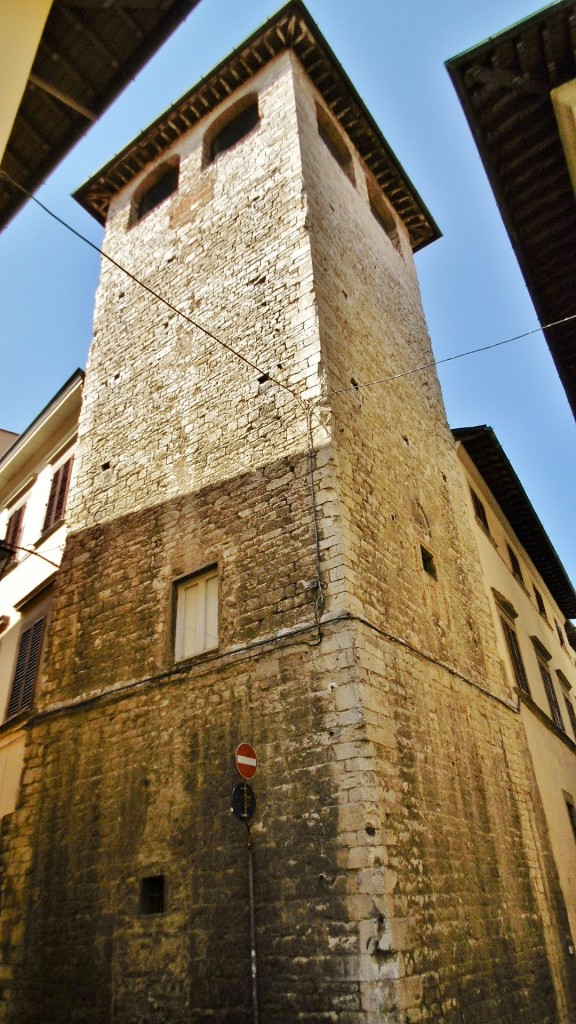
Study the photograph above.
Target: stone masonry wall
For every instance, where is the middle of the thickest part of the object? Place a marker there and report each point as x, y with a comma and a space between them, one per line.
402, 871
130, 771
439, 765
231, 250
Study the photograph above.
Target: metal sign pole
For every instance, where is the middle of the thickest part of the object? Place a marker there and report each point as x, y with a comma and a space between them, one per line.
243, 806
253, 962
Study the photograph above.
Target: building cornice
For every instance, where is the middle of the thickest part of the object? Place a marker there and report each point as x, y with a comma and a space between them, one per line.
291, 29
491, 462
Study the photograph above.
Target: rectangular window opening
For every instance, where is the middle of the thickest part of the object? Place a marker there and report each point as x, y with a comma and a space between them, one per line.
153, 895
26, 671
56, 506
196, 615
571, 715
540, 603
572, 815
14, 533
334, 142
515, 564
480, 511
428, 562
552, 698
515, 656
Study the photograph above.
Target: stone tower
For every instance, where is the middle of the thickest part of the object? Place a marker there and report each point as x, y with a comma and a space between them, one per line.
262, 548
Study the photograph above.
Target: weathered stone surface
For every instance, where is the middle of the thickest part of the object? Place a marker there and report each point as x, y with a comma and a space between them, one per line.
401, 865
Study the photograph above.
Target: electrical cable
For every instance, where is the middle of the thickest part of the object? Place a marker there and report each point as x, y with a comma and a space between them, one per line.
151, 291
317, 585
31, 551
254, 366
448, 359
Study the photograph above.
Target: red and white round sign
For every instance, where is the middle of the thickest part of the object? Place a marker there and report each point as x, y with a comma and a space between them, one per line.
246, 761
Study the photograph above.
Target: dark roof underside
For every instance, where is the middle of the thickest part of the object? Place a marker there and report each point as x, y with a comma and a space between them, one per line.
290, 29
89, 51
484, 449
504, 86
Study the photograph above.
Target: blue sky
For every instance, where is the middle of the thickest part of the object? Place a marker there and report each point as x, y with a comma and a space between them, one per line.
472, 290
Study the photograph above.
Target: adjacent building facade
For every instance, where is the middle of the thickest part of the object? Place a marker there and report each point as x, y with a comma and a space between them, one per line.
35, 473
532, 602
263, 547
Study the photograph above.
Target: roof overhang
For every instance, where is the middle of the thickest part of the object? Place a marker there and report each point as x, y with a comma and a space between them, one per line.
290, 29
506, 87
89, 51
485, 451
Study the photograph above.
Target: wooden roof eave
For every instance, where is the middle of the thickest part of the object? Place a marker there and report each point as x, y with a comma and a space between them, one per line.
291, 29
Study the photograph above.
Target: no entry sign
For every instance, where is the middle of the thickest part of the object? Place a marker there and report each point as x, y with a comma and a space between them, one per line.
246, 761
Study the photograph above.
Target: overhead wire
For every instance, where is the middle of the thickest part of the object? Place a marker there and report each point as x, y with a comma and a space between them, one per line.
356, 386
317, 585
448, 359
151, 291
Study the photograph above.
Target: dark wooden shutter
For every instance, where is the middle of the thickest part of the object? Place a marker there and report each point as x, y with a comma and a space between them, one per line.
552, 698
515, 656
479, 510
26, 668
571, 714
14, 530
58, 494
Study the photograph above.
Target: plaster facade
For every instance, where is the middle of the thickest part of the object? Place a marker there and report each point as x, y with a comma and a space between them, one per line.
542, 641
27, 469
403, 870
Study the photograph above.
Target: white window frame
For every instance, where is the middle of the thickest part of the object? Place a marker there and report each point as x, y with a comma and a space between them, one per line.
197, 599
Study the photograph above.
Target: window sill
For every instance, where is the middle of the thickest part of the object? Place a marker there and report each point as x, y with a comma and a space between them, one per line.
16, 721
193, 659
546, 720
48, 533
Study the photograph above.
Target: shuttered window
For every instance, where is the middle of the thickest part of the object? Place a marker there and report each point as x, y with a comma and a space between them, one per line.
197, 616
479, 511
571, 714
515, 565
552, 698
572, 815
515, 656
58, 494
26, 669
14, 532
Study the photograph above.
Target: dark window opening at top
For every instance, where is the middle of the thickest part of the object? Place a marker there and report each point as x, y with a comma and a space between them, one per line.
152, 895
234, 130
382, 212
335, 143
428, 563
157, 192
